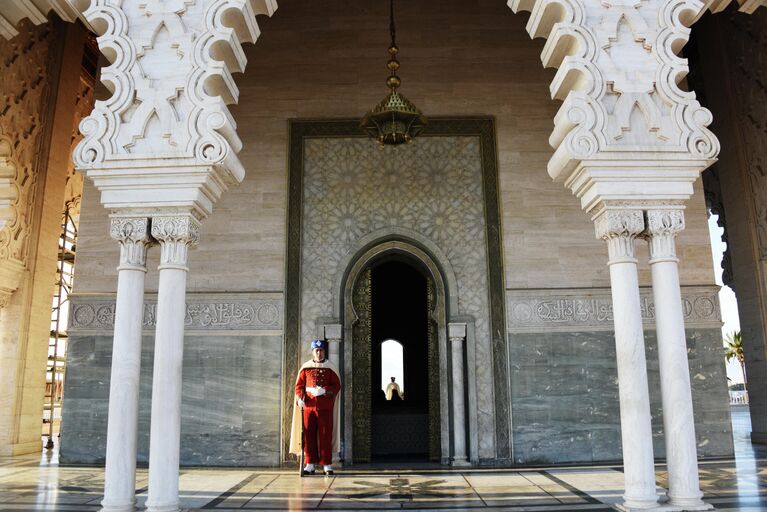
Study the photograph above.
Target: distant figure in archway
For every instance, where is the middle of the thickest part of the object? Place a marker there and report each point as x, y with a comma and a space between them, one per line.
393, 388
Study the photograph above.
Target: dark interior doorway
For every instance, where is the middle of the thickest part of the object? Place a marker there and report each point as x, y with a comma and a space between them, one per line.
400, 427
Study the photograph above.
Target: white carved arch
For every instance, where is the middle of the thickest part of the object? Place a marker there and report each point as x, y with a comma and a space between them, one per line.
602, 79
625, 129
166, 137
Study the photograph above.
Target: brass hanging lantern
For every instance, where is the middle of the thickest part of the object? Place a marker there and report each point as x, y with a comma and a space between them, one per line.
395, 120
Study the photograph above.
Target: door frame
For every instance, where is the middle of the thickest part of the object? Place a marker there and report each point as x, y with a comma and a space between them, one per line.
409, 251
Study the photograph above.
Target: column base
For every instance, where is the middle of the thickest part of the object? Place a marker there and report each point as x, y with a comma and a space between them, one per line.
117, 508
647, 503
700, 506
759, 437
666, 507
460, 462
688, 503
653, 508
162, 508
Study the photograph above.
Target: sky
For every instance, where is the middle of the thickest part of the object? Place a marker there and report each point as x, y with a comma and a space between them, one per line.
391, 364
727, 301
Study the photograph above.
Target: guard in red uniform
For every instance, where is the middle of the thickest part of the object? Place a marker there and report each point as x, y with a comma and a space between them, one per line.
317, 388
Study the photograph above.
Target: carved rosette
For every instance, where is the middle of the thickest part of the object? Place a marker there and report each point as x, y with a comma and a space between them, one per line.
662, 228
175, 235
619, 228
133, 235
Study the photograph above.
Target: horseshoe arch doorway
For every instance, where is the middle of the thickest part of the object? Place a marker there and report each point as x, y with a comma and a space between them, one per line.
395, 290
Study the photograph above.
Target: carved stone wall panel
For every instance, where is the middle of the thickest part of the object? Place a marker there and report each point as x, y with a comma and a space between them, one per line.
434, 187
591, 309
389, 208
204, 312
25, 86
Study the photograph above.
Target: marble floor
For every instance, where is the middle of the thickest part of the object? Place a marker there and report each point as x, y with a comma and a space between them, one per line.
39, 483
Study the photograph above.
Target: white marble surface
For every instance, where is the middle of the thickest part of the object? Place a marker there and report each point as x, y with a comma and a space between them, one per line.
676, 393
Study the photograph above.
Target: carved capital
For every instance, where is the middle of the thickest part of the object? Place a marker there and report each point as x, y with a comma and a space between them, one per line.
176, 235
662, 228
456, 332
133, 235
619, 228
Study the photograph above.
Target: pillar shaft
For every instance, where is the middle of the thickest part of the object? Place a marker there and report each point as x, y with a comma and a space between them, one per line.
676, 393
122, 422
334, 351
459, 407
619, 229
175, 235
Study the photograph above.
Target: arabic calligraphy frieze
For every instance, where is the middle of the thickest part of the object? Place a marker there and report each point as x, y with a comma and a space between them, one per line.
590, 308
203, 312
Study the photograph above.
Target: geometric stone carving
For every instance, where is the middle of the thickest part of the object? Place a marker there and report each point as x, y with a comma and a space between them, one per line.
166, 138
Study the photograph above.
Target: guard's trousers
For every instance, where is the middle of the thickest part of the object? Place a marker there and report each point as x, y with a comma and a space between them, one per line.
318, 436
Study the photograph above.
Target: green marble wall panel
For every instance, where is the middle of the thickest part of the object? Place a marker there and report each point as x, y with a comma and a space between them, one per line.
565, 406
230, 400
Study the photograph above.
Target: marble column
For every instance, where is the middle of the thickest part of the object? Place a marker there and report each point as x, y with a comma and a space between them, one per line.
334, 337
619, 228
457, 335
122, 423
175, 235
678, 420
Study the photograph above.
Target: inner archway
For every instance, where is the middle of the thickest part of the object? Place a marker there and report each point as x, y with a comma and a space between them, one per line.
400, 316
400, 287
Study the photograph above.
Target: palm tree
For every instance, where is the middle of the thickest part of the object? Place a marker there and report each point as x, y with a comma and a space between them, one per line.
733, 347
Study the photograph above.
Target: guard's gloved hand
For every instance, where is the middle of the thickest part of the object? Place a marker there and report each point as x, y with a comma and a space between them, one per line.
312, 391
319, 391
300, 402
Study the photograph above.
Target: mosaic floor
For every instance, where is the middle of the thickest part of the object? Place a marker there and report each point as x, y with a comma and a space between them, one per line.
34, 483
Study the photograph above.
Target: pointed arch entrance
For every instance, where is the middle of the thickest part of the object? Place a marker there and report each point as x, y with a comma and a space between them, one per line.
392, 264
